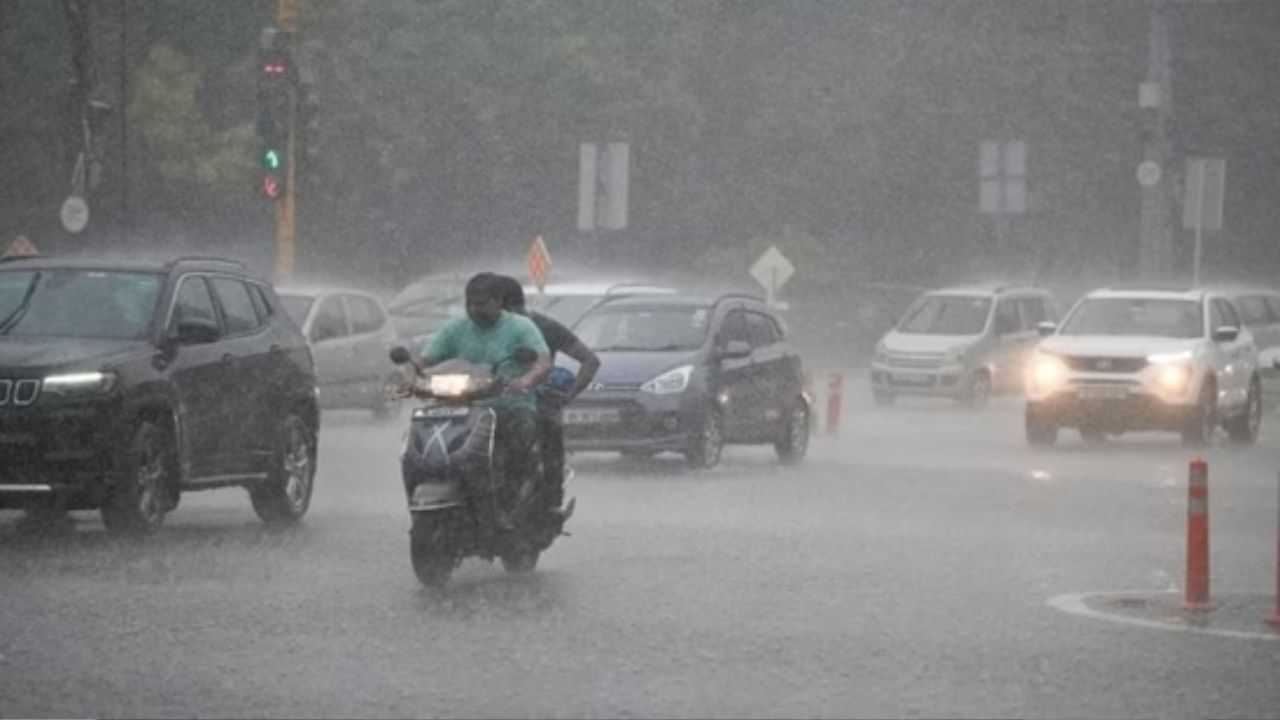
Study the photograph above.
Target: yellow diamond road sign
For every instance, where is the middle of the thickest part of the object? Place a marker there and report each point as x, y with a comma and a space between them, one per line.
772, 270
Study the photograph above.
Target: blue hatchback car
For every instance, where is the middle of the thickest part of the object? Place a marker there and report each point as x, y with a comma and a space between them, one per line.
689, 374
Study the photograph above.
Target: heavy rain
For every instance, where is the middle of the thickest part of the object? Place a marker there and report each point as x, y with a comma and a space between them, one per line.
909, 359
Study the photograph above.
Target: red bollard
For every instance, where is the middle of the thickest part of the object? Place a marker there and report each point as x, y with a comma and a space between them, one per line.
1275, 612
1197, 590
835, 391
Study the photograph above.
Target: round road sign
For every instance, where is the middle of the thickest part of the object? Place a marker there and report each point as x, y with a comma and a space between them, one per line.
1148, 173
75, 214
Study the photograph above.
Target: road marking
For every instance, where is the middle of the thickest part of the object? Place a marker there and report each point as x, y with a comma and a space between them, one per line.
1074, 603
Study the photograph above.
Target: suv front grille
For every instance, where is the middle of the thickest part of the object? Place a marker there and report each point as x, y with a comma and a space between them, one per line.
18, 392
1106, 364
920, 361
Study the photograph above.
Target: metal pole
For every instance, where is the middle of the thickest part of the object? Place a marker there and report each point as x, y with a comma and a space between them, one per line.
1195, 271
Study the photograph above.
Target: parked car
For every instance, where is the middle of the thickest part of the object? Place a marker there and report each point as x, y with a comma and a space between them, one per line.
124, 384
1146, 359
350, 335
963, 343
1259, 310
689, 374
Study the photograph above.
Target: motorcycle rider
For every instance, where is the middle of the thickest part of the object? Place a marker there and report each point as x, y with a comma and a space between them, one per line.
559, 339
489, 336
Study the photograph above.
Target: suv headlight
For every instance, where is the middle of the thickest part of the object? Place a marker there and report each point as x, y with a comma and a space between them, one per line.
83, 383
669, 382
1046, 373
1173, 370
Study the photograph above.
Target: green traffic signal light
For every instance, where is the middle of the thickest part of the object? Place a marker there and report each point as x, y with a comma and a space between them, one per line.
271, 159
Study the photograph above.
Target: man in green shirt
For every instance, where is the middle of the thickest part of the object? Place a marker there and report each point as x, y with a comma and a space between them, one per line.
489, 336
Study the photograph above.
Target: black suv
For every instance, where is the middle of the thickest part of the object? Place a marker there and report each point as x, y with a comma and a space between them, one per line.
123, 384
689, 373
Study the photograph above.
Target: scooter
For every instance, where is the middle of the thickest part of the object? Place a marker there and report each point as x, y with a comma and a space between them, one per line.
462, 500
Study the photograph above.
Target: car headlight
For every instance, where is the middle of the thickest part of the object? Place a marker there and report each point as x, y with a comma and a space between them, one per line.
669, 382
1047, 372
1173, 377
450, 385
82, 383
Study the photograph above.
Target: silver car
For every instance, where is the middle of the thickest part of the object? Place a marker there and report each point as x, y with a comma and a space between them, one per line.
350, 335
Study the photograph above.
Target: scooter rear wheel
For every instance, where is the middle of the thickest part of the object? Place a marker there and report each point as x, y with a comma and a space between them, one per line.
432, 561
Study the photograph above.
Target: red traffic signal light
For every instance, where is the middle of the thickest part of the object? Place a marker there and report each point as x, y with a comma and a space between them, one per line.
272, 188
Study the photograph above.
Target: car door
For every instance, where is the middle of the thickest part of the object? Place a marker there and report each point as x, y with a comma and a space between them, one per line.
201, 379
768, 373
251, 419
1010, 340
735, 387
330, 335
371, 340
1239, 355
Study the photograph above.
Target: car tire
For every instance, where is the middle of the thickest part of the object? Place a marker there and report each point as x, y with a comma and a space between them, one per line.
1041, 431
1197, 429
520, 563
138, 503
707, 444
285, 495
432, 560
794, 443
978, 392
1244, 428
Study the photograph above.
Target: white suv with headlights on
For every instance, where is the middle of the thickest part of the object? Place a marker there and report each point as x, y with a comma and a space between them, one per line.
1145, 359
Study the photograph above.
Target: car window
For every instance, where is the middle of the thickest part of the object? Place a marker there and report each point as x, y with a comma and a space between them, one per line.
734, 328
1007, 320
330, 322
1222, 314
947, 315
78, 303
364, 313
261, 302
1033, 312
194, 302
1253, 310
1136, 316
237, 307
761, 330
643, 329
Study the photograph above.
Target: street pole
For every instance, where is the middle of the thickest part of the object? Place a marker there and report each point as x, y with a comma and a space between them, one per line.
286, 226
1195, 266
1155, 250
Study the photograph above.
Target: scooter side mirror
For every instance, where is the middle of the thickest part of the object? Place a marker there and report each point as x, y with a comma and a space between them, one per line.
400, 356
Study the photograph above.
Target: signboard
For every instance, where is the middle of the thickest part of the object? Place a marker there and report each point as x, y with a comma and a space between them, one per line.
1203, 195
21, 247
539, 263
1002, 177
74, 214
1148, 173
287, 15
603, 185
772, 270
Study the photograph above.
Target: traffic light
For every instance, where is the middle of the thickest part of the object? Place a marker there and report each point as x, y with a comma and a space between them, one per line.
276, 93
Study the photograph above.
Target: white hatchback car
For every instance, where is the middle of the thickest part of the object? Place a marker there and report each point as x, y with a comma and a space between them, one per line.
1145, 359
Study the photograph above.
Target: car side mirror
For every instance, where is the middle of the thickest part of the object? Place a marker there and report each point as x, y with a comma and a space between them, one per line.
1046, 328
196, 331
1226, 333
734, 350
400, 356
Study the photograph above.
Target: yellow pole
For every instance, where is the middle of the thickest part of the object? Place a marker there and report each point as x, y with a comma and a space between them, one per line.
286, 226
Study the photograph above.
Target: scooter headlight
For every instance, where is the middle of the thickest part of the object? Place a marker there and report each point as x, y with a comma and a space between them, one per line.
450, 385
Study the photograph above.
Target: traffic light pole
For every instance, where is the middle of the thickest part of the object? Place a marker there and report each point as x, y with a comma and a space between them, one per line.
286, 225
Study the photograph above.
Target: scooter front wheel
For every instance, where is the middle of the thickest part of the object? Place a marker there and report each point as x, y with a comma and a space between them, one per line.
433, 562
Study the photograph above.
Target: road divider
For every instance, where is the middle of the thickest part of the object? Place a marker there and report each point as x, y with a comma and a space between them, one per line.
1197, 586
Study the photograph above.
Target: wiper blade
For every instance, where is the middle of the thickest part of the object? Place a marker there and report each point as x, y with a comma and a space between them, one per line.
13, 318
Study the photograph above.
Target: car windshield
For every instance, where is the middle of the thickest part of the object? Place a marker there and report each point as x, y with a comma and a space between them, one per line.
568, 309
947, 315
78, 303
1136, 316
644, 329
297, 306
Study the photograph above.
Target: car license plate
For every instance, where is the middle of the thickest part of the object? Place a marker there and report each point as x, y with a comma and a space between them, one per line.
912, 378
591, 417
444, 412
1103, 393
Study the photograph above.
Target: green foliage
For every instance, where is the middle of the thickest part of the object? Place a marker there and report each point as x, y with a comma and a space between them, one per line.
180, 145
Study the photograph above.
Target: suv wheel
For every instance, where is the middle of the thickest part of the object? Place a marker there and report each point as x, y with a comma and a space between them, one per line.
794, 442
978, 391
1041, 432
1244, 428
1203, 420
707, 444
286, 494
137, 505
